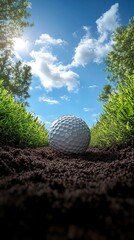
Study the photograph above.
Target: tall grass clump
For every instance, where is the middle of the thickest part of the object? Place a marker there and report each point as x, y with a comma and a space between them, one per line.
17, 127
116, 123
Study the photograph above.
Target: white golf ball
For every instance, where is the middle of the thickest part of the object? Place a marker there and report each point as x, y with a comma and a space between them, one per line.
69, 134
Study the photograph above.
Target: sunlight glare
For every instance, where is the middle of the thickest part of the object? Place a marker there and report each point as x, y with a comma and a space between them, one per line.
20, 44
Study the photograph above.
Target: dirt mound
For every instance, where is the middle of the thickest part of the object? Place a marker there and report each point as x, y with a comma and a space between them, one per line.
51, 196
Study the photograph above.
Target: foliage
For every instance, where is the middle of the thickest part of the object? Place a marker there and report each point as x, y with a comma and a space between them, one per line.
18, 81
116, 123
17, 126
106, 93
120, 61
13, 20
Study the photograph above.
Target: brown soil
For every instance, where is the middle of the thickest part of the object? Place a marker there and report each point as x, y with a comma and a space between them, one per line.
46, 195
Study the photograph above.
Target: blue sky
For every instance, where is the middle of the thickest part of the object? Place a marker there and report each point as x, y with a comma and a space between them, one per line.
66, 49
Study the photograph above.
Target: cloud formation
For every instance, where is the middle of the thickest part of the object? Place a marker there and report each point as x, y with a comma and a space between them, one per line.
85, 109
54, 74
109, 21
94, 50
92, 86
65, 97
47, 40
48, 100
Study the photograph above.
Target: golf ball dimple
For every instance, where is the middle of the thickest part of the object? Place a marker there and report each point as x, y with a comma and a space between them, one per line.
69, 134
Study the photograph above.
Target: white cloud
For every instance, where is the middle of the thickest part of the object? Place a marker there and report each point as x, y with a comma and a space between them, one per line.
48, 100
88, 109
92, 86
94, 50
52, 73
84, 52
55, 75
87, 30
65, 97
44, 55
109, 21
46, 39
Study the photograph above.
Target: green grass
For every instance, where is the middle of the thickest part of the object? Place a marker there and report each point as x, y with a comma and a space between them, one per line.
116, 123
17, 126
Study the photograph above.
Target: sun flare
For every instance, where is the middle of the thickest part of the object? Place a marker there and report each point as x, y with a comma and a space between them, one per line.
20, 44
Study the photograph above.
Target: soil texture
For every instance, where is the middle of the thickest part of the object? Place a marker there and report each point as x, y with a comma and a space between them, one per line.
47, 195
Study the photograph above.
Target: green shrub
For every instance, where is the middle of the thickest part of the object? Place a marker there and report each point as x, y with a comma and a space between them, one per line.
116, 123
17, 126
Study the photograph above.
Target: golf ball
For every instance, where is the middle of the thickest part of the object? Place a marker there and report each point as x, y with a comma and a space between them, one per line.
69, 134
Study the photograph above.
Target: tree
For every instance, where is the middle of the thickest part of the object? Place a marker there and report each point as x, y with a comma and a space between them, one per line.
106, 93
15, 75
120, 61
13, 20
20, 80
